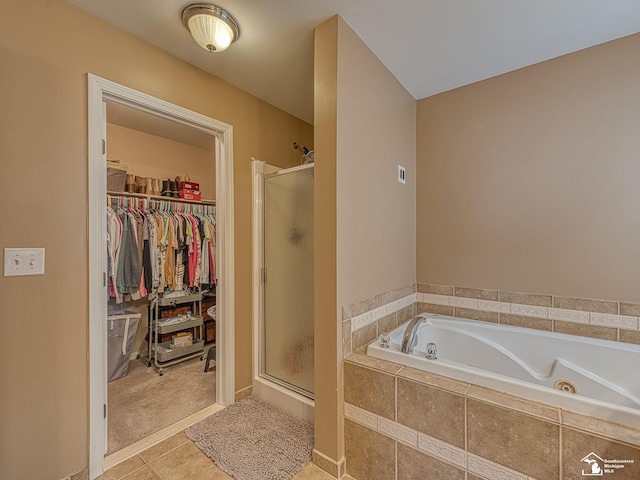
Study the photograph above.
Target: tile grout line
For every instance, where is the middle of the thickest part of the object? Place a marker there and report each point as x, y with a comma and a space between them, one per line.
560, 448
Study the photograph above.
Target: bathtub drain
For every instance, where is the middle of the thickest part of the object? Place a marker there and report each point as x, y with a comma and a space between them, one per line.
566, 386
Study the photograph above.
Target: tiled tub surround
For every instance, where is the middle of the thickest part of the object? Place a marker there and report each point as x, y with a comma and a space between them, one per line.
608, 320
414, 424
527, 363
503, 436
363, 321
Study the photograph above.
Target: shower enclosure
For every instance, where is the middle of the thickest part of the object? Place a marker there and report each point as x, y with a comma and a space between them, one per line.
283, 300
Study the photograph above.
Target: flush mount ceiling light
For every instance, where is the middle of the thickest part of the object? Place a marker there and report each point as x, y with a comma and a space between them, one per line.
211, 27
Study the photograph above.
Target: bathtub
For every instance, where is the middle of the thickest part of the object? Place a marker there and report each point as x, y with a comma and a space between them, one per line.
598, 378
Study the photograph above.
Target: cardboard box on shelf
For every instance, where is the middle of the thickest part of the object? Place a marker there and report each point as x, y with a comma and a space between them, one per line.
182, 339
189, 185
190, 195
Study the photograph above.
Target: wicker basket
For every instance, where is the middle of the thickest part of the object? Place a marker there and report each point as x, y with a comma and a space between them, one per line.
116, 179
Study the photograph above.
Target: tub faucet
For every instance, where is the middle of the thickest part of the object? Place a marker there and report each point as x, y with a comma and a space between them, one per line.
410, 337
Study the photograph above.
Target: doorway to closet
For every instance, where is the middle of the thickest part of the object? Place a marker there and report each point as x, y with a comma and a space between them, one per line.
146, 399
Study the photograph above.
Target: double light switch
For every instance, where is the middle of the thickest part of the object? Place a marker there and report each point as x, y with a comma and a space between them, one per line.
23, 261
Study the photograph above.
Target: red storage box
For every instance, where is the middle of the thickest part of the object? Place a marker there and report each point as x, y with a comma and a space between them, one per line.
190, 194
189, 186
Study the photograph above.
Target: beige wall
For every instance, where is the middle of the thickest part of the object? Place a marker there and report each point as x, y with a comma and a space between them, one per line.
152, 156
43, 202
365, 127
376, 214
530, 181
328, 437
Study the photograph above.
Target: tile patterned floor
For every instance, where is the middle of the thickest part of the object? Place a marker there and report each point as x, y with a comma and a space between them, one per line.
178, 458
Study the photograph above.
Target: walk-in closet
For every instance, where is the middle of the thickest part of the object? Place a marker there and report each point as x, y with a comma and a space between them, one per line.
161, 250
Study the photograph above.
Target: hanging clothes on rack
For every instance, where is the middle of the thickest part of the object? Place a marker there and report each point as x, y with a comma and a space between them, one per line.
158, 245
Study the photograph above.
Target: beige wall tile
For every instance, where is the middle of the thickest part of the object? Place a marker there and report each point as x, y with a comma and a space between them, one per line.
436, 289
492, 470
440, 414
364, 336
602, 428
435, 299
586, 305
592, 331
387, 323
373, 363
416, 465
405, 314
387, 297
632, 309
442, 450
434, 380
370, 390
476, 315
495, 397
491, 306
527, 299
478, 293
629, 336
615, 321
346, 338
527, 322
358, 308
370, 455
439, 309
364, 418
406, 291
577, 445
568, 315
397, 431
463, 302
529, 310
515, 440
471, 476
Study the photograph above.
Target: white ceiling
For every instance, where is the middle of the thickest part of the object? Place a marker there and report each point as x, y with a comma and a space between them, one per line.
431, 46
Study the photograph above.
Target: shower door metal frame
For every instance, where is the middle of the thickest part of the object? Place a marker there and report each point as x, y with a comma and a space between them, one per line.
262, 277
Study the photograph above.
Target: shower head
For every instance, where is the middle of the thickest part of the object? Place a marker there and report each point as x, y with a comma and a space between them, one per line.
299, 146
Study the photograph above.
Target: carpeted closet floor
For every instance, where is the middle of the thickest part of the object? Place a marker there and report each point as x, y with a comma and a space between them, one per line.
144, 402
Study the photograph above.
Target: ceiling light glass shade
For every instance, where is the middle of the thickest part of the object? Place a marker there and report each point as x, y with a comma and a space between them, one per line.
211, 27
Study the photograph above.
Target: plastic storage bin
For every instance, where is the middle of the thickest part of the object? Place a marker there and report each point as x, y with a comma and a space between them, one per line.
121, 329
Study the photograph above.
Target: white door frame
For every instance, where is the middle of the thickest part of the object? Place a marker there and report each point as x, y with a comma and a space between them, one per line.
100, 90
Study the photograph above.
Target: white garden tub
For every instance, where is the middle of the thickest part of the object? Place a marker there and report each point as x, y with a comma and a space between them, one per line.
603, 375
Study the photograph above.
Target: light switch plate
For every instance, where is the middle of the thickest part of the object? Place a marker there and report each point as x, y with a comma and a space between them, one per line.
23, 261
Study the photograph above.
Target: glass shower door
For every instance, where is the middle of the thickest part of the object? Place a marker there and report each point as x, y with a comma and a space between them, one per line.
287, 353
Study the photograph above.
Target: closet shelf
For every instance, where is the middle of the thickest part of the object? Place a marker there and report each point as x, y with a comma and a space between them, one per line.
158, 197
